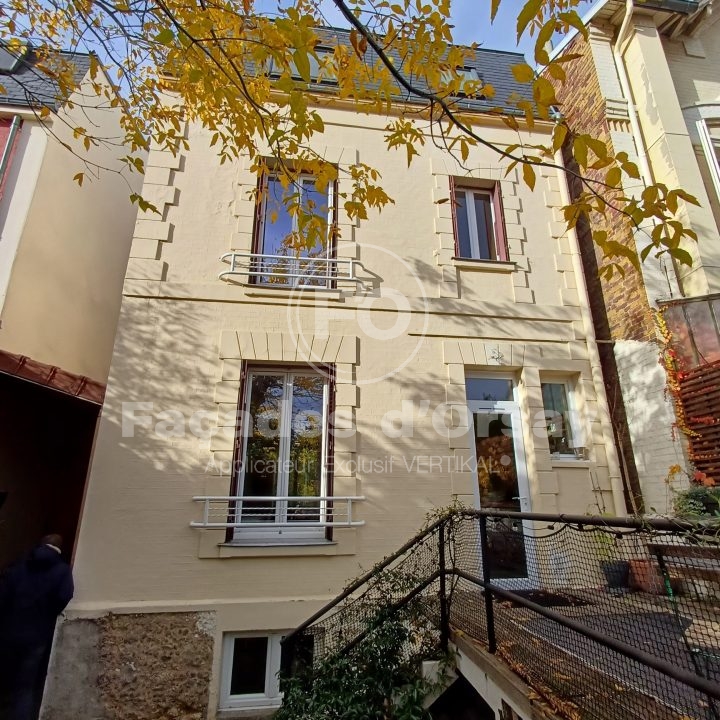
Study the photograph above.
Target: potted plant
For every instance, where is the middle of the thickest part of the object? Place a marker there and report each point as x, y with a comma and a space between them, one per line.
697, 502
616, 571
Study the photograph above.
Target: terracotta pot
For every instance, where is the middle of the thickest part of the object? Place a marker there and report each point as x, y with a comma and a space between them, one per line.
645, 575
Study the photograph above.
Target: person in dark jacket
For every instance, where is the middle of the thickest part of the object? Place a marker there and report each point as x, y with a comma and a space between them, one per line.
33, 592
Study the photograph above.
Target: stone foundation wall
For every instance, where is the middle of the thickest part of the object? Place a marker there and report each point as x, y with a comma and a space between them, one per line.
131, 667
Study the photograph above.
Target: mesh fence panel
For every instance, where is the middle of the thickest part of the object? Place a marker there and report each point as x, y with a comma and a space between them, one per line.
655, 589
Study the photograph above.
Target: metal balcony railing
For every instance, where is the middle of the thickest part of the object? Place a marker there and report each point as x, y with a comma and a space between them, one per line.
281, 511
284, 271
605, 618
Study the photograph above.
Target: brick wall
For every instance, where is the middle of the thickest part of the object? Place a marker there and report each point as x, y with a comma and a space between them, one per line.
619, 306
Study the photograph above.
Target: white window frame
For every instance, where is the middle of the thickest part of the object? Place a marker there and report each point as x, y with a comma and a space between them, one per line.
272, 697
256, 531
472, 223
708, 146
315, 67
264, 223
575, 430
466, 74
512, 408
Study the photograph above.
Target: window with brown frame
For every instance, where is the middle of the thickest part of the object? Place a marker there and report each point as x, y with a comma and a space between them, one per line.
294, 233
478, 222
283, 450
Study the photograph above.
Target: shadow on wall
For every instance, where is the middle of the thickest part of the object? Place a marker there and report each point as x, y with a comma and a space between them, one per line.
46, 440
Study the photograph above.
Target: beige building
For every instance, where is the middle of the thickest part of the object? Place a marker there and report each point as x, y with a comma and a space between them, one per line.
647, 83
63, 253
275, 424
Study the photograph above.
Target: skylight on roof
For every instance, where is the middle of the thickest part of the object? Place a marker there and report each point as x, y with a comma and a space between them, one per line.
10, 60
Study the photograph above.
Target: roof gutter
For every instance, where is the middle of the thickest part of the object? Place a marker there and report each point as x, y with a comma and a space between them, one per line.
7, 150
668, 269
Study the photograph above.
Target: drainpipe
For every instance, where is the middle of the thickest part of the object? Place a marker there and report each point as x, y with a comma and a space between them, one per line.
7, 150
668, 269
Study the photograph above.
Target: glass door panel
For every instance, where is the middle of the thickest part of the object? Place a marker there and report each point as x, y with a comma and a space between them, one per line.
261, 461
283, 454
496, 452
306, 447
296, 238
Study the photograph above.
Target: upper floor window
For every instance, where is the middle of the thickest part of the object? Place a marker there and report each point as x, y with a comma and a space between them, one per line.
294, 243
477, 220
9, 131
710, 140
11, 58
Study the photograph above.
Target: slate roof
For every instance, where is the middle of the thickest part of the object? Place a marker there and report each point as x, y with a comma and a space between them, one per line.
493, 66
30, 87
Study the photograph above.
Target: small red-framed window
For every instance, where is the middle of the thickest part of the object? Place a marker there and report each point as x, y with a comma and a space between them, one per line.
478, 221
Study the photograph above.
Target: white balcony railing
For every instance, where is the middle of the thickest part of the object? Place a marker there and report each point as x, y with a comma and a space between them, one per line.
284, 271
236, 511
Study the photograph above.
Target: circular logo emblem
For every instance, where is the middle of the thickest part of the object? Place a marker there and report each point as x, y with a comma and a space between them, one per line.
390, 323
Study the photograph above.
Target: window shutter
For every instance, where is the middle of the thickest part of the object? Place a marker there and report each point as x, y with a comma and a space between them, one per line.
454, 215
500, 236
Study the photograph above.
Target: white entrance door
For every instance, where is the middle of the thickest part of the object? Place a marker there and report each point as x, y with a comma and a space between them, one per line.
501, 474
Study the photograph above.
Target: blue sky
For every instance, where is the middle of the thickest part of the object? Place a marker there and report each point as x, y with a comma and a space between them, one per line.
471, 19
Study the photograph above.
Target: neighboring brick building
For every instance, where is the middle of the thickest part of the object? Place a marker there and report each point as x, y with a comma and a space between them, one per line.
627, 89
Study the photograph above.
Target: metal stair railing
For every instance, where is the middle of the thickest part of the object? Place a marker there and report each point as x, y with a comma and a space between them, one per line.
580, 639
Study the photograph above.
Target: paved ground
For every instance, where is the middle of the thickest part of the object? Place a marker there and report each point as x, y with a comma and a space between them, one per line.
589, 681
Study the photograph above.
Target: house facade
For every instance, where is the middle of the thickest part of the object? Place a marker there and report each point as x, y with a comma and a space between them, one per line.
275, 423
63, 253
646, 83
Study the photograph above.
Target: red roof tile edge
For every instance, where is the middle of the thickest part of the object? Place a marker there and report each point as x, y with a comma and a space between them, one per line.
51, 376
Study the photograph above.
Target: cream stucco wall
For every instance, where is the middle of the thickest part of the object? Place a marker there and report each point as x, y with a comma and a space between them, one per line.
21, 179
66, 247
693, 64
665, 80
183, 334
651, 418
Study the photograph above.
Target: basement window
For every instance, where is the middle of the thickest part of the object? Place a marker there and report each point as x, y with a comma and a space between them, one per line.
250, 668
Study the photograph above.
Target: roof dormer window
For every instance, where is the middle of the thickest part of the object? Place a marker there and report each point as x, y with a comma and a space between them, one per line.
11, 58
471, 82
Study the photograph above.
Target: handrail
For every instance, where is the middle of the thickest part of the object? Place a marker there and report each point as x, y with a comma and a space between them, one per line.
256, 268
695, 681
359, 582
591, 520
668, 667
629, 522
331, 511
